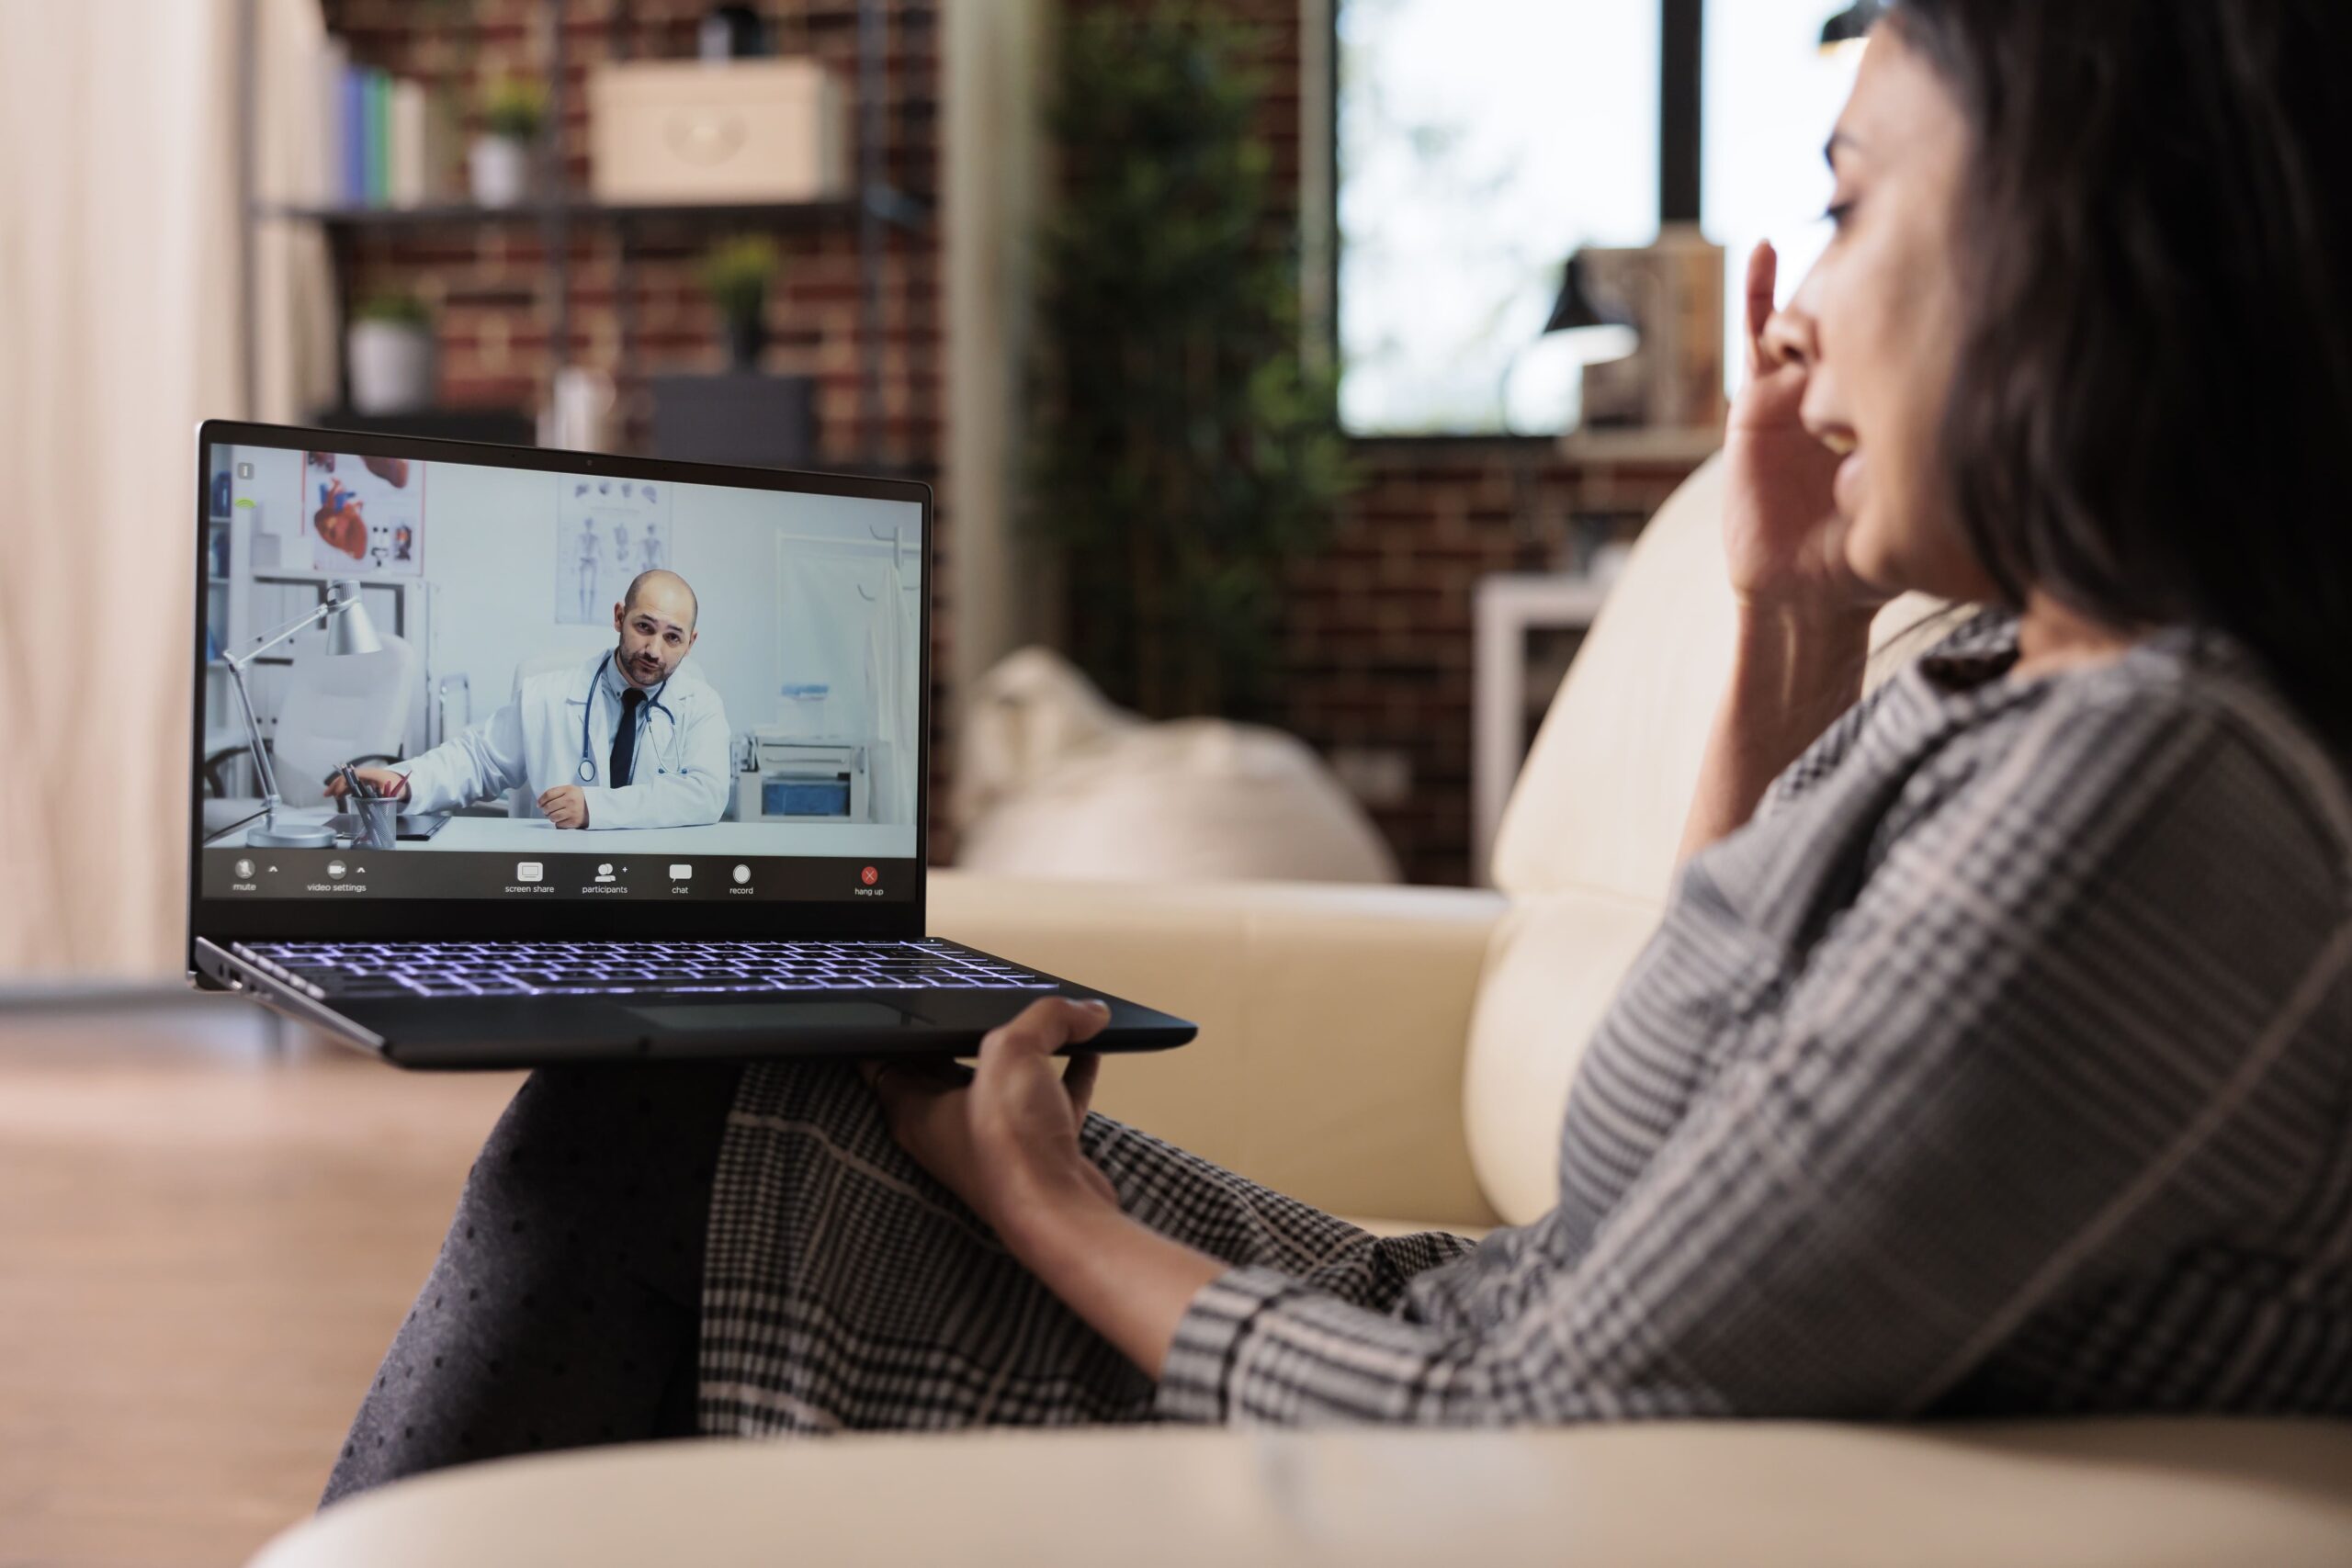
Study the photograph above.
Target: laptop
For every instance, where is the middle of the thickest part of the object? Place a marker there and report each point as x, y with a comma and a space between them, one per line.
506, 756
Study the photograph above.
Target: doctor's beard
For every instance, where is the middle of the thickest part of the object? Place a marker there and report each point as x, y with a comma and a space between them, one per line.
645, 669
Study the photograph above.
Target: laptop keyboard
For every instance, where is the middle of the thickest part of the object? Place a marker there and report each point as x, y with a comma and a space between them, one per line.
361, 969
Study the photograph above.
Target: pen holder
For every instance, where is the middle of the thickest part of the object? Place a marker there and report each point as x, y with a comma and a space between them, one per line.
376, 823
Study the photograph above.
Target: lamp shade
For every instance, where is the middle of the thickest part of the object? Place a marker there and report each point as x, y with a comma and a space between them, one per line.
350, 628
1576, 308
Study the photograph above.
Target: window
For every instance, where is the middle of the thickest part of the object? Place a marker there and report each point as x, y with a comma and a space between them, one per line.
1480, 141
1772, 97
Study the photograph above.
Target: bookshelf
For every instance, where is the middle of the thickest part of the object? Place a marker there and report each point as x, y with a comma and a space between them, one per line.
873, 212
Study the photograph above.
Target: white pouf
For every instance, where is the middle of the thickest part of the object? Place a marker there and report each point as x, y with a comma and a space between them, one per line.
1055, 782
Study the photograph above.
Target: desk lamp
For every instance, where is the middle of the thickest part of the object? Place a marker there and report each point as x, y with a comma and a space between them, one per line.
348, 631
1577, 310
1599, 329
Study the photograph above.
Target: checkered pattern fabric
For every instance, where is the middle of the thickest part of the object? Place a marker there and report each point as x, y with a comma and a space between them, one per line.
2002, 1065
846, 1290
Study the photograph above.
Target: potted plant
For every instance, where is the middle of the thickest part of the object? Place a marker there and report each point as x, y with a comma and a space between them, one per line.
512, 112
388, 351
736, 274
1186, 449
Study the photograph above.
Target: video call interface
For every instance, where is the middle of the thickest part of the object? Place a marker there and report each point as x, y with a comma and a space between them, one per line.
505, 684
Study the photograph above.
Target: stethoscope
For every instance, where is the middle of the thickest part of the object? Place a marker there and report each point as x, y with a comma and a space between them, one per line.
644, 717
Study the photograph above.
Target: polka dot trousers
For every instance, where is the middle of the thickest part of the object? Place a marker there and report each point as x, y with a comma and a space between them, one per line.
563, 1309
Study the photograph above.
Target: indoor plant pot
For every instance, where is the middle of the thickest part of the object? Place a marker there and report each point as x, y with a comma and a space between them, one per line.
388, 352
736, 274
498, 165
499, 170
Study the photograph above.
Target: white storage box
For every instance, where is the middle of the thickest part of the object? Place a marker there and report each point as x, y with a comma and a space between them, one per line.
744, 130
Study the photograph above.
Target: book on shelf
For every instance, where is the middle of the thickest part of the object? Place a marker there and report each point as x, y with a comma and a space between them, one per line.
352, 190
387, 141
405, 173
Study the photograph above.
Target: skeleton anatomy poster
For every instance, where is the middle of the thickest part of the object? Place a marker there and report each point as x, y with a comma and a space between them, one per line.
606, 532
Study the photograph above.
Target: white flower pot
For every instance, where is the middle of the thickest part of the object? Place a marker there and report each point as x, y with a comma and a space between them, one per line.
390, 365
499, 169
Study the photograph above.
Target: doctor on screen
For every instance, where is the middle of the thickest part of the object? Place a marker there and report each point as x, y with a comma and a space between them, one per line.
624, 741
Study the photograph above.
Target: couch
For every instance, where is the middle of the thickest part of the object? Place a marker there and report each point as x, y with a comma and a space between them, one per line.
1403, 1054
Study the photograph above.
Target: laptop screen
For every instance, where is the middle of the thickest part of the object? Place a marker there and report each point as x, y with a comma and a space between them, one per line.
508, 683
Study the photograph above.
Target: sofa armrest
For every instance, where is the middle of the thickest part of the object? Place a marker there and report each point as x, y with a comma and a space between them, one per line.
1333, 1021
2150, 1494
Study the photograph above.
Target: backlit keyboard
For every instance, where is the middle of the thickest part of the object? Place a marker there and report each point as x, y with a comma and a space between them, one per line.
359, 969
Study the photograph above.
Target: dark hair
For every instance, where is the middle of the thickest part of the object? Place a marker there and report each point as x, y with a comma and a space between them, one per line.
2150, 418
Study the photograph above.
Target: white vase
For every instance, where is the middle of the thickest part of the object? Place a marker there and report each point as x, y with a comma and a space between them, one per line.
391, 367
499, 169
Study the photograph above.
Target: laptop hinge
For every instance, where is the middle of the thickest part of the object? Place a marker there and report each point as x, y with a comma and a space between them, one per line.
241, 975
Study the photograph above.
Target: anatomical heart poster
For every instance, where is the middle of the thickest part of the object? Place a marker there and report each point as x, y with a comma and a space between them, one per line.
363, 516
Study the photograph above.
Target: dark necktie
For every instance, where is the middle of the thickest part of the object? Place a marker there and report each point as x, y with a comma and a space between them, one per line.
625, 738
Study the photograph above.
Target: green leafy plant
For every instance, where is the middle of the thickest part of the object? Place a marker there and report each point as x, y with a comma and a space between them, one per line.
394, 309
514, 107
1185, 451
736, 274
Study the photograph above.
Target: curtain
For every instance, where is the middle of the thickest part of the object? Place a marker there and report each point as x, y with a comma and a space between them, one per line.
118, 247
845, 621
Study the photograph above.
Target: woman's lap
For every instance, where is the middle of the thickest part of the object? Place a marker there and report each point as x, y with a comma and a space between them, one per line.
846, 1290
658, 1250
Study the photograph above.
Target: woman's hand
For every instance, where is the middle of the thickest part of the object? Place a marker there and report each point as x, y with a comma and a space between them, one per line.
1005, 1138
1803, 637
1784, 539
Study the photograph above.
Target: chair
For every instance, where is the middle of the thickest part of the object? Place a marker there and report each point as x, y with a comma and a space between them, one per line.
1403, 1054
351, 708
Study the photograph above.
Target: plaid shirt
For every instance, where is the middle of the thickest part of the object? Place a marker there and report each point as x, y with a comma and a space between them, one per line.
2002, 1063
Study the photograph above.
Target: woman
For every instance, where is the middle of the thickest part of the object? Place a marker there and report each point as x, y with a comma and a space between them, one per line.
1995, 1053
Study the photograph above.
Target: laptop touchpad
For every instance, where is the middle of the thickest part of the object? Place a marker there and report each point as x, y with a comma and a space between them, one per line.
778, 1015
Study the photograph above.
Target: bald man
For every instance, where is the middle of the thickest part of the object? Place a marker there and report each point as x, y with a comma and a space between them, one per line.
627, 740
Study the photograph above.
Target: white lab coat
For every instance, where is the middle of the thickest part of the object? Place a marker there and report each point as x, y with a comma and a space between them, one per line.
679, 778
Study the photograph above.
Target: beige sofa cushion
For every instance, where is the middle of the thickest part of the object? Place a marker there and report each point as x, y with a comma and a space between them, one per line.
1587, 847
2108, 1495
1600, 801
1329, 1065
